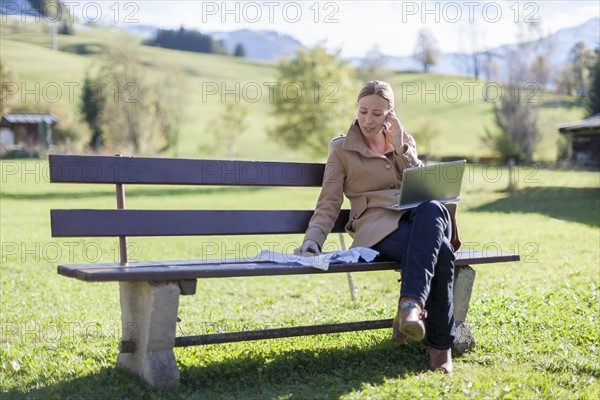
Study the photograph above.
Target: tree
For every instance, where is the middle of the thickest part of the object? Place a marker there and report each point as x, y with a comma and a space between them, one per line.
6, 79
240, 50
581, 61
516, 117
66, 28
132, 110
592, 104
168, 96
314, 99
39, 5
472, 39
125, 106
490, 69
227, 129
426, 50
517, 134
187, 40
489, 65
373, 66
91, 108
540, 71
53, 9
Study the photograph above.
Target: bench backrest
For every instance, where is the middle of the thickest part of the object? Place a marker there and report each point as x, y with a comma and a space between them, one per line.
164, 171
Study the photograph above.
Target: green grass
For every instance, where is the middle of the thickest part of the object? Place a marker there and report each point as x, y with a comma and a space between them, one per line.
454, 104
535, 322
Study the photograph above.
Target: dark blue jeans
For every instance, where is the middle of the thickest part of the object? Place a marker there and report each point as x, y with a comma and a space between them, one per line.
421, 245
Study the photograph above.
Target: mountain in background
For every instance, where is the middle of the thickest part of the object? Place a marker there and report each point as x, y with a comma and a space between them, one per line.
260, 45
269, 46
556, 49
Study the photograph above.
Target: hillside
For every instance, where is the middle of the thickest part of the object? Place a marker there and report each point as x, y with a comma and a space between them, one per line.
454, 104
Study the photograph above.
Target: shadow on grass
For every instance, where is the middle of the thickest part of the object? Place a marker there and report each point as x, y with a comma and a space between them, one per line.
133, 192
570, 204
304, 374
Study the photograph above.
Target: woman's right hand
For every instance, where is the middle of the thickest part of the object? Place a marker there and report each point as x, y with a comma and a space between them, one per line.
308, 248
395, 128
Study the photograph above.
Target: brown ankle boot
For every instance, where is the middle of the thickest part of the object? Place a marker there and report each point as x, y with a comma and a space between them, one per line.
408, 322
439, 360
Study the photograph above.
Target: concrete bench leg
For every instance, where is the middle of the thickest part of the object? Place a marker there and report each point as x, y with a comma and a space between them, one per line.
464, 277
149, 320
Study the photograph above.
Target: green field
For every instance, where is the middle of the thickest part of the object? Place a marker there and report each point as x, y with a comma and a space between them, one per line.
454, 104
535, 321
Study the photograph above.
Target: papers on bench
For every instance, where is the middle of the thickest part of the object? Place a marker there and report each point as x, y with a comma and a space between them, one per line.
322, 260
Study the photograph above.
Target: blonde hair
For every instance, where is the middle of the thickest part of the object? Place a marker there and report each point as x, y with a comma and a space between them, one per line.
379, 88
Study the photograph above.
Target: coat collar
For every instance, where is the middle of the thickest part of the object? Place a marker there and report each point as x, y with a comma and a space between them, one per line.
354, 141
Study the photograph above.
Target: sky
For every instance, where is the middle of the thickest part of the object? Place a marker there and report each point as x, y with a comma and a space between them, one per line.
354, 27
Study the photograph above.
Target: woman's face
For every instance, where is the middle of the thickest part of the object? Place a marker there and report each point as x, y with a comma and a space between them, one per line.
372, 111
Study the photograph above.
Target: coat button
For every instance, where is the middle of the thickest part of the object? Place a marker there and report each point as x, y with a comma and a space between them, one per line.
388, 166
355, 217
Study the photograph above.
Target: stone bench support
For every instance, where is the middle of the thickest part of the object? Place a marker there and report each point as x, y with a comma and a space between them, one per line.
149, 320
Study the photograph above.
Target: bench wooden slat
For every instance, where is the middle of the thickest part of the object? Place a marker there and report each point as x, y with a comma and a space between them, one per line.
102, 223
170, 171
193, 269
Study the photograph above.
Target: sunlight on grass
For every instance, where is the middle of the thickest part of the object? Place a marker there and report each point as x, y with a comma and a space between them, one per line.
535, 322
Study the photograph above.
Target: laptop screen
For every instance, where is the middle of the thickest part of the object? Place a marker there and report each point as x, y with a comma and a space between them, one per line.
440, 181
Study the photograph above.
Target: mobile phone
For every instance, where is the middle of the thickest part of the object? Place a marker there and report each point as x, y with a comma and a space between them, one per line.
386, 123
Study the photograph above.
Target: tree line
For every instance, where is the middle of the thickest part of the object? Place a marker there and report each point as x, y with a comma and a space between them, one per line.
186, 40
191, 40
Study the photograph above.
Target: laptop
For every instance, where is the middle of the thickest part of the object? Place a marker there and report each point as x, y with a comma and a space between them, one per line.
440, 181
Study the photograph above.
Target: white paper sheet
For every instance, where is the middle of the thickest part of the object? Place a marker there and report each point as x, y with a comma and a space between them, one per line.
322, 260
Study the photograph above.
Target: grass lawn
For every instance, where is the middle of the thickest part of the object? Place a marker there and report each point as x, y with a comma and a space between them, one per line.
536, 322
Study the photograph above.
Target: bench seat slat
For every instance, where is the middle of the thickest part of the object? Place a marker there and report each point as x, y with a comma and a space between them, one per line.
193, 269
102, 223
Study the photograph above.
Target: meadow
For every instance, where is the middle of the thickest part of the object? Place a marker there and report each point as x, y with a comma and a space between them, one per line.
535, 321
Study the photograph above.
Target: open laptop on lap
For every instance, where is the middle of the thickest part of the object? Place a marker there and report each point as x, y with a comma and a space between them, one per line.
440, 181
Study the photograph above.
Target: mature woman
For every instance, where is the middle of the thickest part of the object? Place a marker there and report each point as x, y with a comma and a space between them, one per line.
366, 165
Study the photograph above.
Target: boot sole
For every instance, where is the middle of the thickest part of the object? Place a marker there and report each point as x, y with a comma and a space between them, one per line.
413, 330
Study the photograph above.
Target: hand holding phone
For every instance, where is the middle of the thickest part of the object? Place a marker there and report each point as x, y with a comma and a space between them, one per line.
393, 126
386, 125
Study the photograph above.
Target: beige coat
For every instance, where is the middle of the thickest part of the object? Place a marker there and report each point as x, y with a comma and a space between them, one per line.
371, 182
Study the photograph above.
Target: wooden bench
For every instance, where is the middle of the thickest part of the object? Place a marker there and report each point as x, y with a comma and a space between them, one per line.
150, 290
